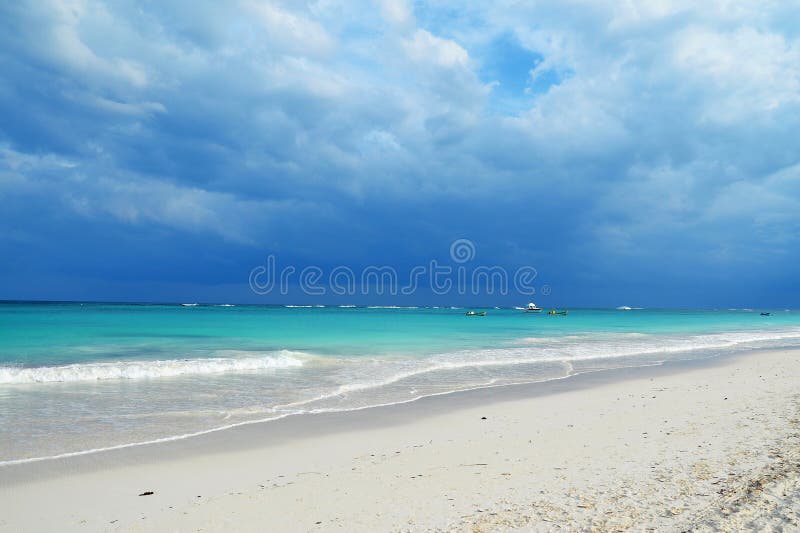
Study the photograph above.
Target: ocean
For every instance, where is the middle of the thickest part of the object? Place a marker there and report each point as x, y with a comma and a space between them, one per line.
79, 377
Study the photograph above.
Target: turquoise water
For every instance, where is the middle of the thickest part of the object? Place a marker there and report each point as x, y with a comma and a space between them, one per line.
81, 376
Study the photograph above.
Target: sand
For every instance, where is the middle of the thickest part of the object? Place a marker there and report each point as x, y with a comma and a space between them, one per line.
712, 445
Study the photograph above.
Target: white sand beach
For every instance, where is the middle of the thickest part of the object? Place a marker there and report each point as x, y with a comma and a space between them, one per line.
710, 445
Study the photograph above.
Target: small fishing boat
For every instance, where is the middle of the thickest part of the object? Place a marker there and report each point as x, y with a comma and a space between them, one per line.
532, 308
554, 312
476, 313
766, 314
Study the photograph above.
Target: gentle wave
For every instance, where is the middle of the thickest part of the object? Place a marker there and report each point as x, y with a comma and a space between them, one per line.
620, 345
392, 307
558, 350
149, 369
378, 373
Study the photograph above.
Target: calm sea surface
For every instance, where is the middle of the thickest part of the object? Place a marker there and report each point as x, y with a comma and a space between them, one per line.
75, 377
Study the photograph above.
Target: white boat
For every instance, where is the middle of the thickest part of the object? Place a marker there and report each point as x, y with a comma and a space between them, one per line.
624, 308
190, 305
532, 308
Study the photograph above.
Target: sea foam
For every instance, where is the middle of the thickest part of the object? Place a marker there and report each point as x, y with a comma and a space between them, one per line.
142, 369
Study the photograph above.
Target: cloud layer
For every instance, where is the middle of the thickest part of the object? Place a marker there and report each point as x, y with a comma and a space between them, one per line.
638, 150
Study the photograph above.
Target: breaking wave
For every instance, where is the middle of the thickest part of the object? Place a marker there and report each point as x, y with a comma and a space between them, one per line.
149, 369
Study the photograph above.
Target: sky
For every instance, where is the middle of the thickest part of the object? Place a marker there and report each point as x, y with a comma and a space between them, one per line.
641, 153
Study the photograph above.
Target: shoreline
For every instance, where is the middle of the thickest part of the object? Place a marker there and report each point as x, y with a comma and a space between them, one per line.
325, 422
548, 434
